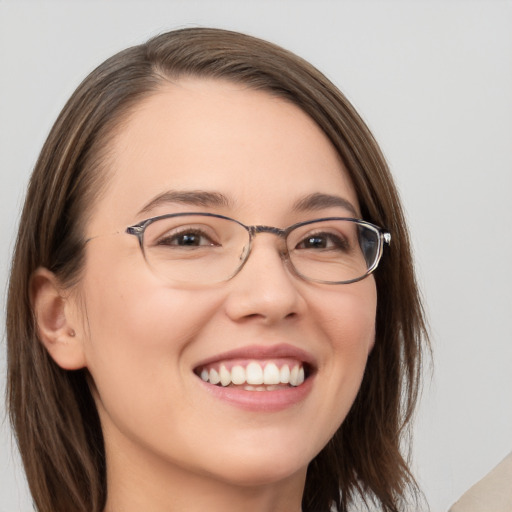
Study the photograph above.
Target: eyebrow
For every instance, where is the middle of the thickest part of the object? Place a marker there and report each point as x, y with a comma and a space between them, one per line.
320, 201
192, 198
312, 202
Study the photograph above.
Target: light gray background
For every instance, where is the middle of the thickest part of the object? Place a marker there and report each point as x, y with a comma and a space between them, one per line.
434, 81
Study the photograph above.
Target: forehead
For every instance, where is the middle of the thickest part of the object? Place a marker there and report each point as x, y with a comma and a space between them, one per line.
260, 151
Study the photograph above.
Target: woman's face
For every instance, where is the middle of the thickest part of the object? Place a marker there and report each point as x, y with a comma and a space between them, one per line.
146, 341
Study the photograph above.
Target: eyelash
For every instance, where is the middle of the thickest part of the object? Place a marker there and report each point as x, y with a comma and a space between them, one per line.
337, 241
170, 238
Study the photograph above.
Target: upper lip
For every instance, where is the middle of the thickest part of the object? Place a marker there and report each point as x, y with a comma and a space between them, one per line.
260, 352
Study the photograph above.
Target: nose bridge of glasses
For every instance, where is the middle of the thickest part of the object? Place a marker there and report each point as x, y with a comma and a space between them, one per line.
254, 230
280, 233
269, 230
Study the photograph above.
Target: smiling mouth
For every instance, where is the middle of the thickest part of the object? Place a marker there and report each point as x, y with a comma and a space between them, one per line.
256, 375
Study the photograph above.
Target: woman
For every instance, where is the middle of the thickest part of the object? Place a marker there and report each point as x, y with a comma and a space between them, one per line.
193, 319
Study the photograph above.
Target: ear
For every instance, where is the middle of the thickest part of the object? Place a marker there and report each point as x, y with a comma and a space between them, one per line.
55, 318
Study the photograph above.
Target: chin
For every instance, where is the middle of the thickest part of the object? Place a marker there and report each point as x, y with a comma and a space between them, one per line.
258, 473
262, 463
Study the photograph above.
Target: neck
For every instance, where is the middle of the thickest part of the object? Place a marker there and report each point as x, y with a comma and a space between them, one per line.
136, 482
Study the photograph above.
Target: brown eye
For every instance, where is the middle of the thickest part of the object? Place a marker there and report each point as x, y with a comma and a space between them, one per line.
186, 238
323, 241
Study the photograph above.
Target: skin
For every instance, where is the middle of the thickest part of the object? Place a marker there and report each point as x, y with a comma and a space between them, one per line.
141, 338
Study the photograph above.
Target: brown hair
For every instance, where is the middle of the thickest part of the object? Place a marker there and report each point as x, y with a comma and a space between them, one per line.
52, 411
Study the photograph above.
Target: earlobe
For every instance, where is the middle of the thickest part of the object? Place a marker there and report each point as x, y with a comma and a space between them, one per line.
55, 321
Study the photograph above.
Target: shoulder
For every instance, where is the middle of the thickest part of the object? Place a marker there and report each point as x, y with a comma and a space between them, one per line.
493, 492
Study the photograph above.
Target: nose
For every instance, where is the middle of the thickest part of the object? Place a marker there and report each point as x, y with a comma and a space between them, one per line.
265, 289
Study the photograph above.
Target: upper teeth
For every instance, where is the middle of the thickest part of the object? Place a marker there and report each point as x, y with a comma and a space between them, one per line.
255, 374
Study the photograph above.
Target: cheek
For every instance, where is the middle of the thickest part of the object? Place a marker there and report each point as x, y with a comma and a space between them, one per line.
348, 317
345, 320
348, 323
137, 329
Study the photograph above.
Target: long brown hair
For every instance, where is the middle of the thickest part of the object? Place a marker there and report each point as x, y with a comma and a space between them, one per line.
51, 409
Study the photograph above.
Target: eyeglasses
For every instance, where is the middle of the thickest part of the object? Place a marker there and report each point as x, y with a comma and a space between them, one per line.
206, 248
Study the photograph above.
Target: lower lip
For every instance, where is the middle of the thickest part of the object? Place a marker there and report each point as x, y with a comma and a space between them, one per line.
261, 401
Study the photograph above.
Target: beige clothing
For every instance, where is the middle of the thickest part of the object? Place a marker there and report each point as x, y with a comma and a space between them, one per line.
491, 494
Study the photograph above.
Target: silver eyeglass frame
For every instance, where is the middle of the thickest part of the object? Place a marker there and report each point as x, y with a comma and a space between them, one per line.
384, 238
